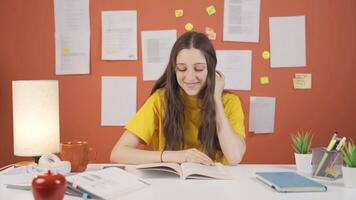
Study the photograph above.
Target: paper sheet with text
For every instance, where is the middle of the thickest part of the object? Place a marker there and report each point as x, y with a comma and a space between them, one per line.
72, 37
119, 35
156, 48
241, 20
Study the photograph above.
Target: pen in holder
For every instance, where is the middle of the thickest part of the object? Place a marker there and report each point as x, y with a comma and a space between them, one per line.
326, 164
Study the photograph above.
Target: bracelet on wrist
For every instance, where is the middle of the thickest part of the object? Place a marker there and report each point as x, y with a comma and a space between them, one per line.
161, 156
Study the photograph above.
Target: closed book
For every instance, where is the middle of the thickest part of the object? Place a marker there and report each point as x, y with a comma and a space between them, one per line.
290, 182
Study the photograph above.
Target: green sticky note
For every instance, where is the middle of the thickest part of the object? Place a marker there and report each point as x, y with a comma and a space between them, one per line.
264, 80
179, 13
211, 10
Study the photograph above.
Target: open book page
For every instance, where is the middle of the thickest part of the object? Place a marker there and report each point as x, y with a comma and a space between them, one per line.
199, 171
107, 183
167, 167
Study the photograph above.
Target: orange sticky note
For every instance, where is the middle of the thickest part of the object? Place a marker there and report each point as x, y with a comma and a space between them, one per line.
264, 80
211, 10
210, 33
179, 13
212, 36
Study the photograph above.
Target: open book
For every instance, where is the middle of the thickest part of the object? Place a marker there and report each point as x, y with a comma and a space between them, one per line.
107, 183
189, 170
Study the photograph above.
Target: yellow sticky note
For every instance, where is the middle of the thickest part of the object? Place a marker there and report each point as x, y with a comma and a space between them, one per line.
211, 10
111, 50
265, 55
210, 33
65, 51
179, 13
302, 81
264, 80
188, 26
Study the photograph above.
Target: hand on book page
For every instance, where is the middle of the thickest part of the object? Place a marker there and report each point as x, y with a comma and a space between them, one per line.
188, 170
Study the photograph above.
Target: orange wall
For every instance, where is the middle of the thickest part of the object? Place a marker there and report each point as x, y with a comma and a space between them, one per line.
27, 52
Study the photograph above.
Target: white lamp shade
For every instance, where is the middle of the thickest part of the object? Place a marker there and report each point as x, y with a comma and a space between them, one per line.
35, 117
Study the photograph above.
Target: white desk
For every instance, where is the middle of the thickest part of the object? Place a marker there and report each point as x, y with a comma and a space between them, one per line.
244, 186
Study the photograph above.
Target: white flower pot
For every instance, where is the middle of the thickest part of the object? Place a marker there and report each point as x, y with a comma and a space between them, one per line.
303, 163
349, 176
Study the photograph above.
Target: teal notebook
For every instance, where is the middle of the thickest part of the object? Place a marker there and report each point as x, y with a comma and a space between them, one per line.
290, 182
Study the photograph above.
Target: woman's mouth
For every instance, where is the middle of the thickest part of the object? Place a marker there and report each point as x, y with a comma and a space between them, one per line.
191, 85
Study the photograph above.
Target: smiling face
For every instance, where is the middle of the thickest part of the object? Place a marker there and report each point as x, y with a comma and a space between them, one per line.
191, 70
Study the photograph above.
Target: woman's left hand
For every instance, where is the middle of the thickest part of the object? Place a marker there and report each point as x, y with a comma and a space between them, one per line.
219, 85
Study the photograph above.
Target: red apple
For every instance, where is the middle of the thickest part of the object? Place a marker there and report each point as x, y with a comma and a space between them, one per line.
49, 186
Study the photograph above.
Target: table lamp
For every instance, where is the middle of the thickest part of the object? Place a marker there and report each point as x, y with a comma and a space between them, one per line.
35, 117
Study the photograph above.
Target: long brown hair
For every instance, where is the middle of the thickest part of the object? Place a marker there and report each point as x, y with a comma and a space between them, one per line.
174, 106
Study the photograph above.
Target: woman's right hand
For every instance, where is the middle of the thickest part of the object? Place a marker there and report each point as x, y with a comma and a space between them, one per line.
191, 155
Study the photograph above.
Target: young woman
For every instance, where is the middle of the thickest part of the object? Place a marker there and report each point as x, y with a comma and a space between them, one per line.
188, 117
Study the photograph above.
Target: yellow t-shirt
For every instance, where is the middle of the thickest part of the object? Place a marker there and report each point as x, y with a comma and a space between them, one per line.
147, 124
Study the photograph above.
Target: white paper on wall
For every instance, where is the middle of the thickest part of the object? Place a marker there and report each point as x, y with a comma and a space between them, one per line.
262, 114
156, 48
119, 35
118, 100
236, 67
72, 53
287, 41
72, 36
241, 20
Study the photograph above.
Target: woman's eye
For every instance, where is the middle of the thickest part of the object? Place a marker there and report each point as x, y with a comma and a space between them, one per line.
181, 69
200, 67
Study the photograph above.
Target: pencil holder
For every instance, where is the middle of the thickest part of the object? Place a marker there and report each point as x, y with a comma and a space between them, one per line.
326, 164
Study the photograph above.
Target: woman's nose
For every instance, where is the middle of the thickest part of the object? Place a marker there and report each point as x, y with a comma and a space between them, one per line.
190, 75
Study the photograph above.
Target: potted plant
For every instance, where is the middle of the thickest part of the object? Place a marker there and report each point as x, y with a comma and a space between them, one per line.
349, 170
301, 141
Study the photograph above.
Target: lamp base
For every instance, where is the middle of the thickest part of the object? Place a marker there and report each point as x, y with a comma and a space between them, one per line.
24, 163
36, 159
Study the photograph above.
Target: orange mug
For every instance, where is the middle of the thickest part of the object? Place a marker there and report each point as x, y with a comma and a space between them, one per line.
77, 153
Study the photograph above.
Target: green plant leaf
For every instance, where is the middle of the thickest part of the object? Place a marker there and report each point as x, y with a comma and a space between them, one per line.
301, 141
349, 154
